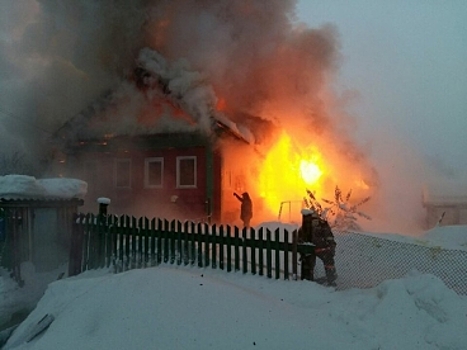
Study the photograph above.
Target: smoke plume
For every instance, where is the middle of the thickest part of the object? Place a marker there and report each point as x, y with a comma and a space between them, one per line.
57, 58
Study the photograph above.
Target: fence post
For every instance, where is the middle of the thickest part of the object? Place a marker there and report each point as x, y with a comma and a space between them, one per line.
221, 246
261, 251
153, 253
193, 240
277, 254
172, 235
76, 248
103, 204
236, 249
229, 248
179, 243
102, 232
214, 246
199, 247
244, 250
294, 255
286, 254
159, 241
206, 245
146, 242
268, 254
253, 250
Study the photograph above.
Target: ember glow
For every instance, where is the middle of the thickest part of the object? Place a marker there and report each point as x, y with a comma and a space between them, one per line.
310, 171
287, 171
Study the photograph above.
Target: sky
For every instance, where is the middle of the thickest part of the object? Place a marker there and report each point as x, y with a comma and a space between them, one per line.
403, 68
170, 307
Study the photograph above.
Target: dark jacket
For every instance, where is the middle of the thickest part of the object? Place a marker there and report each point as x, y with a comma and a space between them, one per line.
316, 231
246, 208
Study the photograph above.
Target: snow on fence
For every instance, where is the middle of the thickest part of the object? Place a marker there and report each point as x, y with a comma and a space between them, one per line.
128, 243
362, 261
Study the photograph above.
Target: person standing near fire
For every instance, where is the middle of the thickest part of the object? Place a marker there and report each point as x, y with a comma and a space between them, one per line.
246, 208
316, 230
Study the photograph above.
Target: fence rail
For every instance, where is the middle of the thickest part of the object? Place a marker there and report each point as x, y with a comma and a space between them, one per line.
127, 242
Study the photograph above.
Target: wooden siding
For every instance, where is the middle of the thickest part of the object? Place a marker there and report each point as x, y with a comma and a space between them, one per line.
190, 203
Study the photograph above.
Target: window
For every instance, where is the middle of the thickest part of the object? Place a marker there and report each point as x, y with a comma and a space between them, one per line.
153, 172
123, 173
186, 172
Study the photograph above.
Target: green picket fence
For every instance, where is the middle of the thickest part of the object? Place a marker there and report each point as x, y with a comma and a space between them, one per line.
126, 243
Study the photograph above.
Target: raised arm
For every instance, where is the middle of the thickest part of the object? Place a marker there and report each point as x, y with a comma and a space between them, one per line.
238, 197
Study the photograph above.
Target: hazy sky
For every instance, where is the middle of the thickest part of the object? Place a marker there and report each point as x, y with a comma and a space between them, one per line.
406, 64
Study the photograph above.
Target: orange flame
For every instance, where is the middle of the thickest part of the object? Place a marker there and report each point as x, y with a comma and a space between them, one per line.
287, 171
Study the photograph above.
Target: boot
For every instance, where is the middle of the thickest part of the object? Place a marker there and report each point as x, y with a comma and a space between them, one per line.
331, 277
306, 272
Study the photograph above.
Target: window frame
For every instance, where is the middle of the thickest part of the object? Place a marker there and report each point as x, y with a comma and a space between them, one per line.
147, 161
195, 171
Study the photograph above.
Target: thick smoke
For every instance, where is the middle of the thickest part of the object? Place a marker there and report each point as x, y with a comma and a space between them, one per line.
56, 58
59, 57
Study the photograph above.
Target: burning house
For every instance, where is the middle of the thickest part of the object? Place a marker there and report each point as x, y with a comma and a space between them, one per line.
163, 158
225, 96
162, 146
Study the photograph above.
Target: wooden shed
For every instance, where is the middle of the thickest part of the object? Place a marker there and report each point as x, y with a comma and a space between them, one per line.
36, 221
37, 230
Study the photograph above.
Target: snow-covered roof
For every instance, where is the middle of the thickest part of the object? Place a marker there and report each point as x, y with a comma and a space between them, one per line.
21, 187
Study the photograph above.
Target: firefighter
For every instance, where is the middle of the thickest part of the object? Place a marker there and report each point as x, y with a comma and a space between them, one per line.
316, 230
246, 208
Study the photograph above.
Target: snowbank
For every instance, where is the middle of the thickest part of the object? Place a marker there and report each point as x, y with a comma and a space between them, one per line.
191, 308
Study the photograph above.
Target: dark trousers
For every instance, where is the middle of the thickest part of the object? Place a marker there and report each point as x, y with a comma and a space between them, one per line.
309, 263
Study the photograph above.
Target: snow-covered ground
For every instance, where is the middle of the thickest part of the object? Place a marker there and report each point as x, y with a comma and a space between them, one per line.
169, 307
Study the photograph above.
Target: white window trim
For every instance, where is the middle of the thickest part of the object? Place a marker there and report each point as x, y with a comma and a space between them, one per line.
195, 172
147, 161
122, 160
